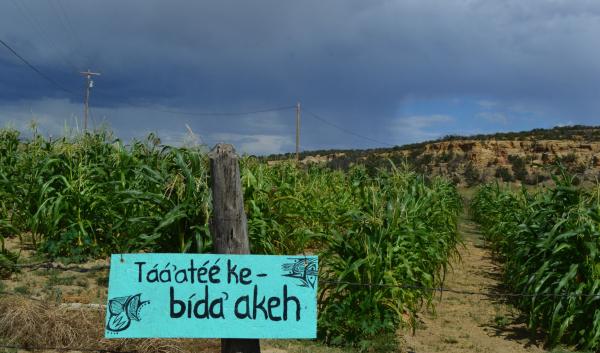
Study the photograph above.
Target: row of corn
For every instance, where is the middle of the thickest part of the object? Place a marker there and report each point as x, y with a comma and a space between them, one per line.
91, 195
549, 244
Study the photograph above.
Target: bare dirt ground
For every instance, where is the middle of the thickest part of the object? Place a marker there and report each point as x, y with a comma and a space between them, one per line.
473, 323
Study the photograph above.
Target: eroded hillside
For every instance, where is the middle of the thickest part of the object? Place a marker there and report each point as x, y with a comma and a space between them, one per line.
520, 157
522, 161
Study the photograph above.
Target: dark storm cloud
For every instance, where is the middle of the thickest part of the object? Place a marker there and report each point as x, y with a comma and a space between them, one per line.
356, 62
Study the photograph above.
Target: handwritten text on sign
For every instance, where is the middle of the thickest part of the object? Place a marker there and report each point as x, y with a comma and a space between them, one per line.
211, 296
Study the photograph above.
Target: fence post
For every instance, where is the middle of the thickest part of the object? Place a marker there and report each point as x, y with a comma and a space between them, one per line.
229, 227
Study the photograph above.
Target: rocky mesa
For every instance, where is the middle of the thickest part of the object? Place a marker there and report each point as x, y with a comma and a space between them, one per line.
527, 161
527, 157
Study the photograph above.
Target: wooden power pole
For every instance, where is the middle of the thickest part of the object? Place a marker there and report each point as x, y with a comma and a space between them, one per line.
88, 86
229, 226
298, 132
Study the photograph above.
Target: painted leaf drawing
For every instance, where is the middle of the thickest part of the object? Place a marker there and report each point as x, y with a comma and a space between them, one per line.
122, 310
303, 269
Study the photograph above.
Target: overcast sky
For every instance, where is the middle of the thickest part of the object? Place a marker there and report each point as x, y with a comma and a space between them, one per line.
374, 72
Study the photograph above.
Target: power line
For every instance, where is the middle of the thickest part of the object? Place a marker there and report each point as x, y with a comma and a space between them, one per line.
195, 113
36, 25
64, 22
148, 107
70, 28
61, 21
44, 76
218, 113
349, 132
68, 21
104, 94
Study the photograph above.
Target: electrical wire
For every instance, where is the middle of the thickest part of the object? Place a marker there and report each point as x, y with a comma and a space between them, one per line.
68, 21
217, 113
37, 26
35, 69
90, 60
349, 132
61, 20
65, 24
190, 113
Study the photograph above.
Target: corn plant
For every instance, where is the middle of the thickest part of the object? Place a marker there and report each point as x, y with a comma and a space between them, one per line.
550, 244
402, 233
92, 195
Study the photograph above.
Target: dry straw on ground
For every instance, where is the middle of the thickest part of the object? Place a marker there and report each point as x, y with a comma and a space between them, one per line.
32, 324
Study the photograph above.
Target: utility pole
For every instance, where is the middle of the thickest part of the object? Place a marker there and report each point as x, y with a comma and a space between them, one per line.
89, 84
297, 132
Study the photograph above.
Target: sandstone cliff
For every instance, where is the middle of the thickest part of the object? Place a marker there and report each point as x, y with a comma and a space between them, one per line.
524, 161
520, 157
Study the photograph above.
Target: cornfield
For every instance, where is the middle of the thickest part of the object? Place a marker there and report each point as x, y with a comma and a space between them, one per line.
91, 195
549, 242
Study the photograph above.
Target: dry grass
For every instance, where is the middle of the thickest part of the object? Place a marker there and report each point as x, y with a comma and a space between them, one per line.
32, 324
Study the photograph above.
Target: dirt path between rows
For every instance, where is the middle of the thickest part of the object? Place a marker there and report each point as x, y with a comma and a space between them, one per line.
472, 323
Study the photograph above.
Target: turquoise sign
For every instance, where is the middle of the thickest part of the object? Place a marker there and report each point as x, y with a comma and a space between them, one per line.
211, 296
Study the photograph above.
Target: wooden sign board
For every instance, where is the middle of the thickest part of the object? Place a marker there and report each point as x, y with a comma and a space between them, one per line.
211, 296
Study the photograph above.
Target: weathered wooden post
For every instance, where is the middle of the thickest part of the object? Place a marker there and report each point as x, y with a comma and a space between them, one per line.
229, 226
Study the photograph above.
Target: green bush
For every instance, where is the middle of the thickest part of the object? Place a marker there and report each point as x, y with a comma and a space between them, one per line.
504, 174
472, 176
519, 168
